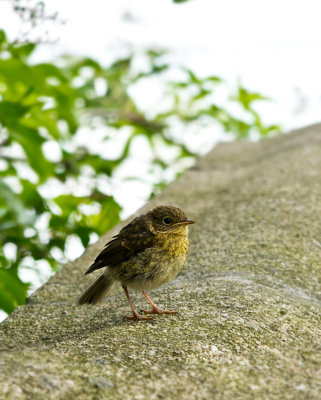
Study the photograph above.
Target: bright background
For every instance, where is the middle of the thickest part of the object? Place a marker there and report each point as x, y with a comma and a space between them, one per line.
272, 47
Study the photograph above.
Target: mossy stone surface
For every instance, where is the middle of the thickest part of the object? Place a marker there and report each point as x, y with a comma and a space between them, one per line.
249, 298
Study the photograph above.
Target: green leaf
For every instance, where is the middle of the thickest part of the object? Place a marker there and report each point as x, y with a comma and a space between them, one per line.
84, 233
246, 98
50, 71
107, 218
214, 79
31, 142
12, 290
193, 78
202, 93
22, 50
15, 205
69, 204
10, 112
31, 197
3, 37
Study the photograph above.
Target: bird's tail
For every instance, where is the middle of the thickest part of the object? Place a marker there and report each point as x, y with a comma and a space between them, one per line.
97, 291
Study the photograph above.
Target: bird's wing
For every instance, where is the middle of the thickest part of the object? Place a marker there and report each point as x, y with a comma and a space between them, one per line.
131, 240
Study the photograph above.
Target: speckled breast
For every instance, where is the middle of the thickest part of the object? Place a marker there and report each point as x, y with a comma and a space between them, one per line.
155, 266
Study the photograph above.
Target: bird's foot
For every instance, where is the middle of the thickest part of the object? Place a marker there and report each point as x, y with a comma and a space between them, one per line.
139, 317
156, 310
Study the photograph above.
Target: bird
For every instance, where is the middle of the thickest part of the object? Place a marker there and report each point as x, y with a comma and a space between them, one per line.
148, 252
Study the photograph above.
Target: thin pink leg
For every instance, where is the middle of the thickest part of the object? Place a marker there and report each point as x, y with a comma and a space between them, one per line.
135, 313
155, 309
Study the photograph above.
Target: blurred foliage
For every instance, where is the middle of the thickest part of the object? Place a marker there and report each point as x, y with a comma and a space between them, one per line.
47, 104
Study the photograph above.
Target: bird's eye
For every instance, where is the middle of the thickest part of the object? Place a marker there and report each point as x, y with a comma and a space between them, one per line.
167, 220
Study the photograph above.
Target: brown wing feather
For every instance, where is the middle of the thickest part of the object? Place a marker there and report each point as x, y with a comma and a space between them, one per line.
131, 240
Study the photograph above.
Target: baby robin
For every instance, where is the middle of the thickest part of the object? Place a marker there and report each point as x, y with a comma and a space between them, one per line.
147, 253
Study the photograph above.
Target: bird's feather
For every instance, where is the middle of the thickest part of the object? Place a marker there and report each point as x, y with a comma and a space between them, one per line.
131, 240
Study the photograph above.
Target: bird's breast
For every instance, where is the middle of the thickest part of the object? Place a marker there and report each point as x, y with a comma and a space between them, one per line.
175, 246
157, 265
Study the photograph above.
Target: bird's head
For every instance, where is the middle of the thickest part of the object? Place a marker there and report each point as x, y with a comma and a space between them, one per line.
168, 219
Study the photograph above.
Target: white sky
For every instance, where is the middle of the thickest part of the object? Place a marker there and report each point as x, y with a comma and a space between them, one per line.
271, 46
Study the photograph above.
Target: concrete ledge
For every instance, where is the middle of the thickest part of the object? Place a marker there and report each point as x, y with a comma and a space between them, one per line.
249, 299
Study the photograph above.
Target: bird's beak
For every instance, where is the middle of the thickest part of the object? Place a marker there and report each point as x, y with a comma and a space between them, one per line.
187, 222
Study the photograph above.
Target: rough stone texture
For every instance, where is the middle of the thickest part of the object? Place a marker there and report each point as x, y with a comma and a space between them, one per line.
249, 298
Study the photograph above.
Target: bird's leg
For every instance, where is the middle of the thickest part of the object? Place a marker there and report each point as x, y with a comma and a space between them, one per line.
155, 309
135, 313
